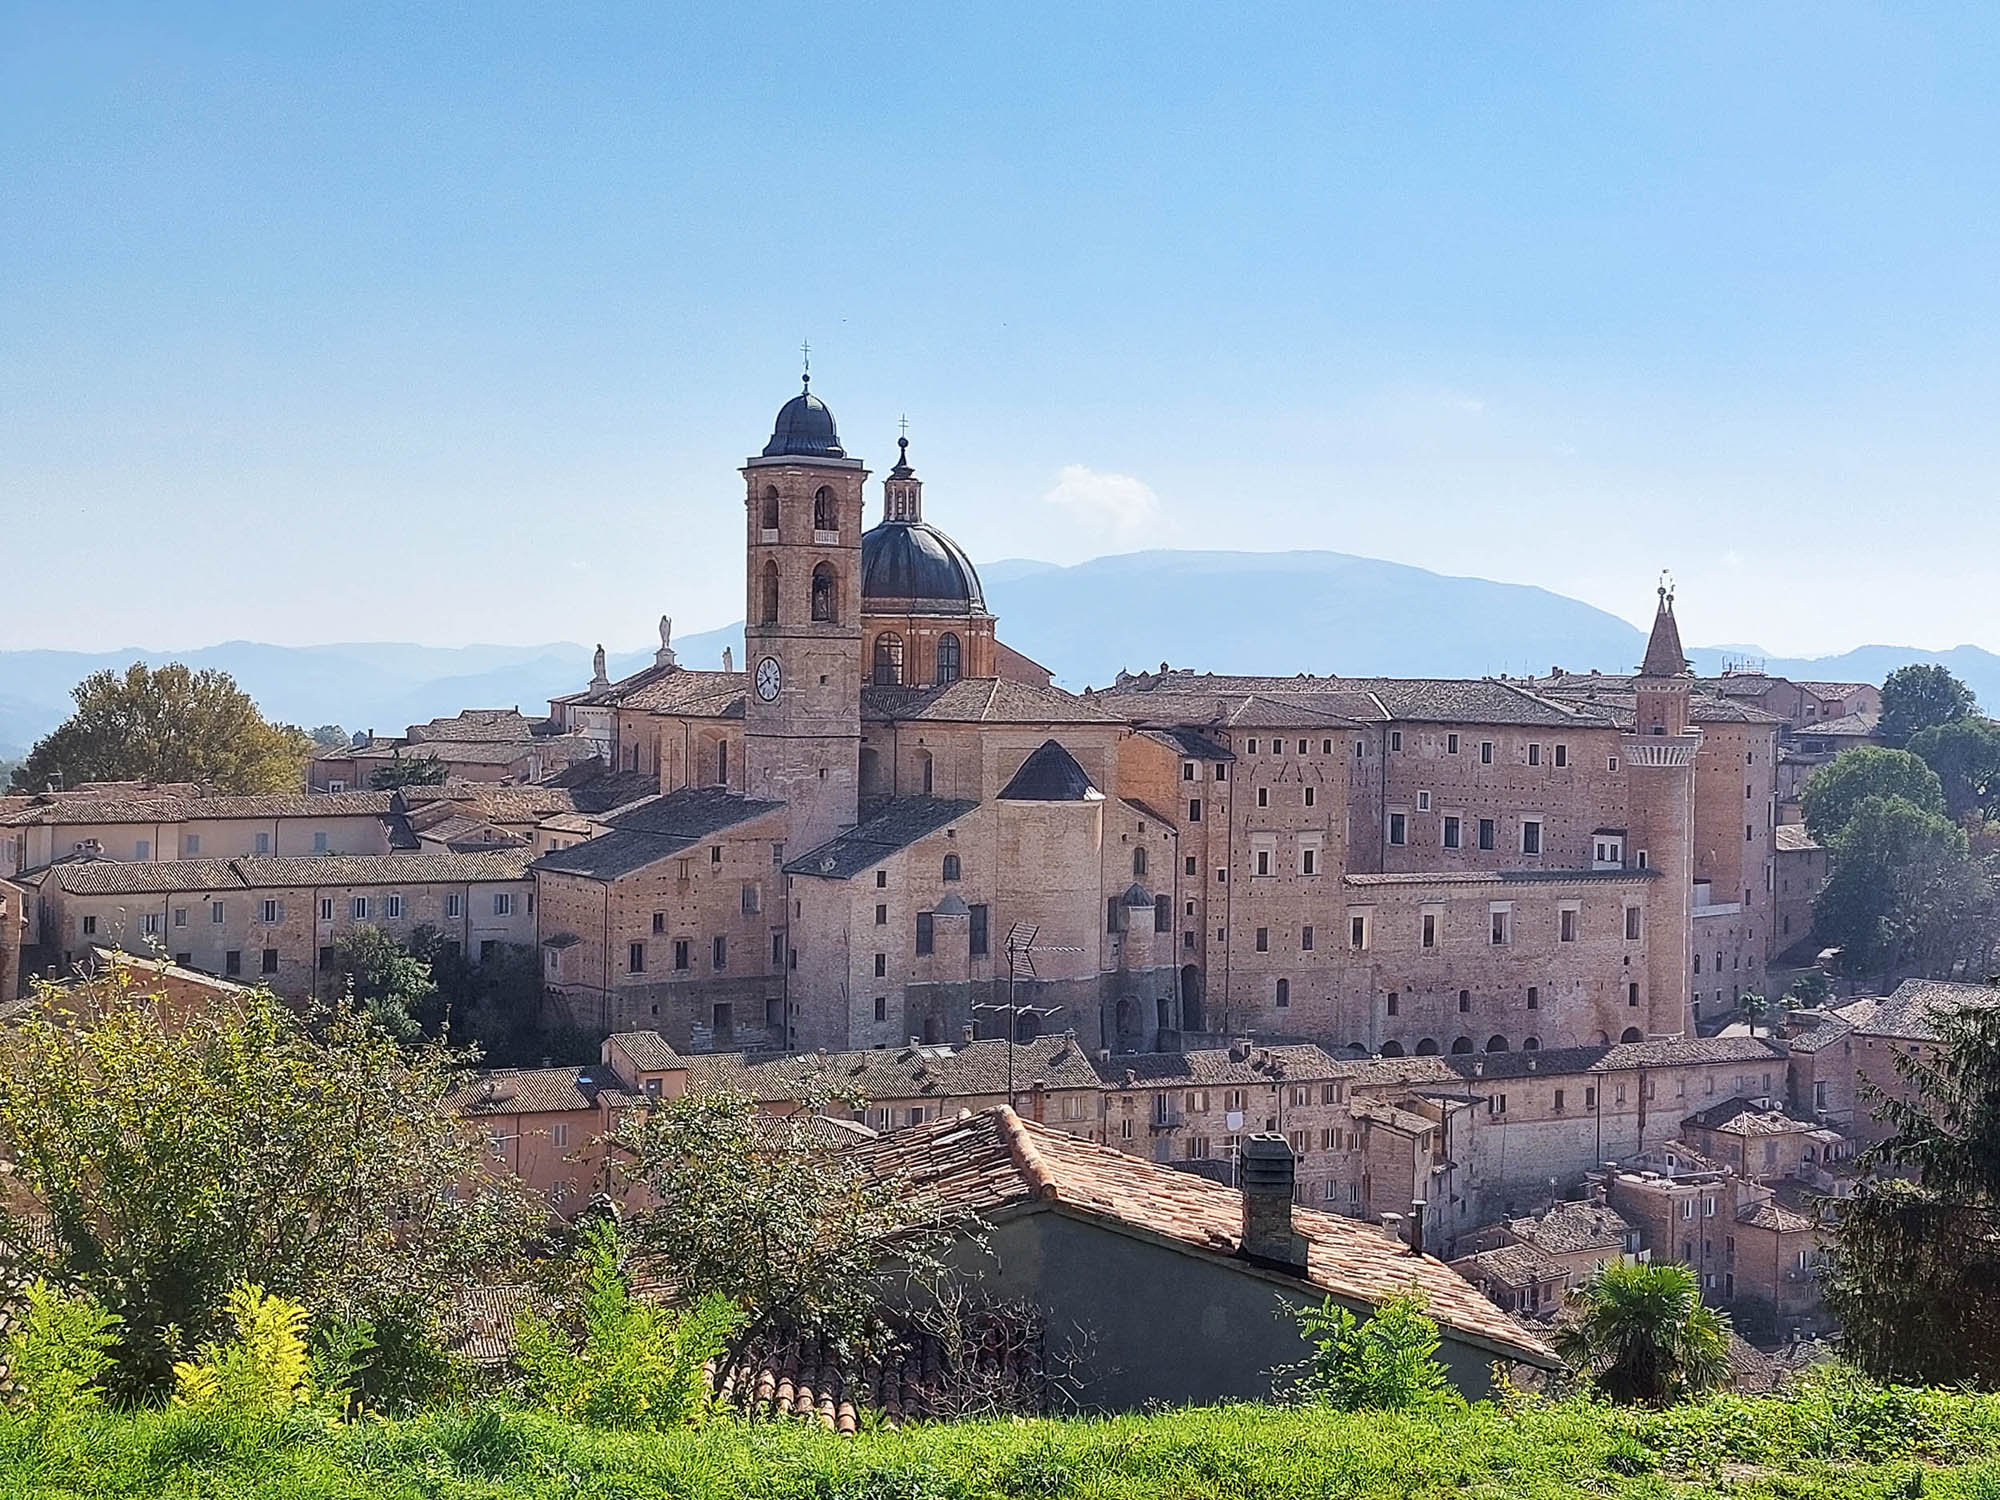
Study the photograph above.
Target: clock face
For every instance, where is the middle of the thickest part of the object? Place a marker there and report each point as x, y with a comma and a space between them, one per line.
769, 678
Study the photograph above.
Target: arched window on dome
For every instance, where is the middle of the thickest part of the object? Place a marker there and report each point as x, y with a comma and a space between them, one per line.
824, 607
948, 669
888, 659
1139, 862
769, 603
951, 867
825, 516
770, 507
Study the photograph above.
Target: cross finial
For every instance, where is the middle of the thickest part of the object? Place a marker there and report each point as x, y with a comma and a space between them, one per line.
806, 355
1666, 586
903, 424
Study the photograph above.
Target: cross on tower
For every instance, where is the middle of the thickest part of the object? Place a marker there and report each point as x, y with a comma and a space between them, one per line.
903, 424
806, 354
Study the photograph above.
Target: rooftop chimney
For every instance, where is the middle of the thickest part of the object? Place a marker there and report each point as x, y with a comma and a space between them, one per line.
965, 1034
1268, 1171
1038, 1096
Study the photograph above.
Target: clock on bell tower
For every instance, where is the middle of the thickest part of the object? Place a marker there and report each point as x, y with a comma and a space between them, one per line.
802, 624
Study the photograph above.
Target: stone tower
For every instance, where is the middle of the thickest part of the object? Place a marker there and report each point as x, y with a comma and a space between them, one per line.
1659, 755
802, 630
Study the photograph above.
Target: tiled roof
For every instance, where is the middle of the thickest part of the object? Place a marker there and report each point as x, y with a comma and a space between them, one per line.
970, 1070
690, 694
1856, 725
993, 1161
1792, 838
1505, 877
648, 1050
385, 869
1829, 1029
1050, 774
1911, 1013
896, 825
1834, 689
1619, 703
475, 724
551, 749
654, 829
1458, 1068
1569, 1227
1190, 742
528, 1091
1771, 1214
125, 808
980, 700
1664, 657
1223, 1066
117, 877
1741, 1117
466, 833
1509, 1266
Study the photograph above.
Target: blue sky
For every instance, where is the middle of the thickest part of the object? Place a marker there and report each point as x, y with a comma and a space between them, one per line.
452, 323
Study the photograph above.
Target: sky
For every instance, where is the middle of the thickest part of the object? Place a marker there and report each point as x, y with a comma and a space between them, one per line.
453, 323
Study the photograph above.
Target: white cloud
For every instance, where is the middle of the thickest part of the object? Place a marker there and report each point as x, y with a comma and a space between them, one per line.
1116, 503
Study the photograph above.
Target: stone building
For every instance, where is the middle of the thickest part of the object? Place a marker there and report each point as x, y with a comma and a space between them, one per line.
138, 823
274, 920
498, 745
1801, 876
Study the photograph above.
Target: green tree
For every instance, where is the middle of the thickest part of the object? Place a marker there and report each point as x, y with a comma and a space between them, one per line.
1810, 989
1762, 1010
165, 1157
1905, 895
169, 725
634, 1365
418, 770
1965, 754
1640, 1333
1913, 1273
1916, 697
330, 737
388, 981
1386, 1363
756, 1209
1853, 776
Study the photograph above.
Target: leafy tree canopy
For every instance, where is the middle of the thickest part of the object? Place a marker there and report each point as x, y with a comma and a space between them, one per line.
1914, 1270
1905, 895
167, 725
330, 737
1916, 697
1965, 754
1839, 787
173, 1155
1640, 1333
418, 770
387, 980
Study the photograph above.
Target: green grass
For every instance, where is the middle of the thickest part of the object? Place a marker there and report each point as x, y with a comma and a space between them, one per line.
1844, 1440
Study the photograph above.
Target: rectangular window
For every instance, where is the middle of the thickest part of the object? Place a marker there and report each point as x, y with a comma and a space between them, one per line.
143, 849
1263, 940
777, 950
719, 953
1562, 755
1566, 925
753, 900
503, 904
232, 962
319, 843
1395, 739
635, 958
215, 912
1393, 999
926, 933
1306, 939
1194, 809
1451, 744
715, 854
659, 922
1534, 997
1559, 1101
1450, 833
454, 905
1430, 929
1114, 915
1308, 860
683, 955
1499, 931
1263, 861
1486, 833
1263, 796
1423, 801
978, 927
392, 906
881, 880
881, 1007
1486, 752
263, 843
1399, 828
180, 916
881, 965
1357, 932
271, 911
152, 922
1531, 836
357, 905
1163, 914
1188, 865
270, 960
1309, 795
1632, 924
1187, 770
190, 845
1534, 755
1632, 993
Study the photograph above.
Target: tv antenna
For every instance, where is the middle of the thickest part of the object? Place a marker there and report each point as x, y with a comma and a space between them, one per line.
1021, 950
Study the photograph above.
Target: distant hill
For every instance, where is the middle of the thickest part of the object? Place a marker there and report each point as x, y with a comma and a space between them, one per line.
1279, 612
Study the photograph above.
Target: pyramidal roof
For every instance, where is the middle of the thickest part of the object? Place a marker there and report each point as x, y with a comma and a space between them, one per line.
1051, 774
1664, 657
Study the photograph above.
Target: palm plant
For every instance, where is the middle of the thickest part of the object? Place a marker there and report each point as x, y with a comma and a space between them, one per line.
1640, 1333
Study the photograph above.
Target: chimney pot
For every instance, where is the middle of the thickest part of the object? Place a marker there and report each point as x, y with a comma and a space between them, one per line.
1268, 1172
966, 1034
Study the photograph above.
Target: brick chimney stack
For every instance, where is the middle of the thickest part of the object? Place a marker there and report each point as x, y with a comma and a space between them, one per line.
1268, 1174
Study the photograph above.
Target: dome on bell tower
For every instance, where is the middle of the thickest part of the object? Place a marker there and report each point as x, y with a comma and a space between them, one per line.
804, 429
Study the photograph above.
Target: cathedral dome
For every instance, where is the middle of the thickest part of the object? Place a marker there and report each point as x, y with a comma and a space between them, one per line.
912, 562
804, 429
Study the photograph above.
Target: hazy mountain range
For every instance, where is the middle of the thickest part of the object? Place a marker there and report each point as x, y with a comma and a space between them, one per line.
1219, 611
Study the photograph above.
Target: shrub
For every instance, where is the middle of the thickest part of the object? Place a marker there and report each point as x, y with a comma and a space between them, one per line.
264, 1370
636, 1365
1386, 1363
60, 1352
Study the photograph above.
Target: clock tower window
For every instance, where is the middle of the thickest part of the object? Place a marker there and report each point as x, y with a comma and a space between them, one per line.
826, 515
770, 599
824, 607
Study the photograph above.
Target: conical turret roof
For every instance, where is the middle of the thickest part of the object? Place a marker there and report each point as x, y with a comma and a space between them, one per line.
1664, 657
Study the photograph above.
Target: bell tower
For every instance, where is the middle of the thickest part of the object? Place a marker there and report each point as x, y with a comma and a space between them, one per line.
802, 630
1659, 754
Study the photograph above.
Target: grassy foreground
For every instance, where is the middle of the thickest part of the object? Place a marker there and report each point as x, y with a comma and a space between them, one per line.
1847, 1442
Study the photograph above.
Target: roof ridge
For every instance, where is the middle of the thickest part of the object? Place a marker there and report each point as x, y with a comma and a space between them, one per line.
1026, 1156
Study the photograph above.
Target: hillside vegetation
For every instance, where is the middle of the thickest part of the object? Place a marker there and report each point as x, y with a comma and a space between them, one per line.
1835, 1436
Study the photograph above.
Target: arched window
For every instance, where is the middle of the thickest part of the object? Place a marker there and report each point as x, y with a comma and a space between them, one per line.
722, 762
825, 516
1392, 1049
1139, 861
1427, 1047
823, 603
1284, 993
1632, 1034
1496, 1044
770, 601
948, 669
770, 507
951, 867
888, 659
1531, 1044
1461, 1044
